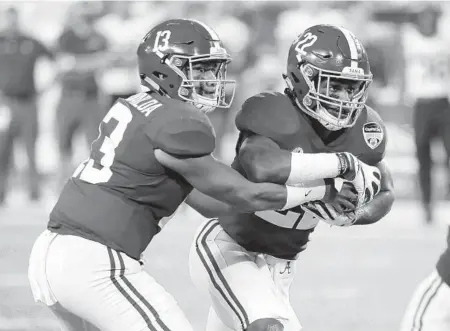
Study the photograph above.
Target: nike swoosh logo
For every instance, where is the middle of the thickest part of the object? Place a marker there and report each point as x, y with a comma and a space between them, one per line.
306, 194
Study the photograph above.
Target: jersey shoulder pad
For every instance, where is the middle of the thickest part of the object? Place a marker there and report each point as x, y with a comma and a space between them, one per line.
374, 136
181, 130
269, 114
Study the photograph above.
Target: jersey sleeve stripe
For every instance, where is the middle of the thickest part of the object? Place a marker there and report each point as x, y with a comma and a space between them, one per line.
216, 276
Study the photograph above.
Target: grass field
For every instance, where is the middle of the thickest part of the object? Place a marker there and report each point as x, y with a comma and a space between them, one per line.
349, 279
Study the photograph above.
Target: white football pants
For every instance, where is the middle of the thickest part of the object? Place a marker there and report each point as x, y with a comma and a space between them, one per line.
429, 308
243, 286
89, 286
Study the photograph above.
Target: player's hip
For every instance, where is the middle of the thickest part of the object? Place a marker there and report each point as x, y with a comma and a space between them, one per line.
62, 260
256, 235
214, 250
212, 241
100, 285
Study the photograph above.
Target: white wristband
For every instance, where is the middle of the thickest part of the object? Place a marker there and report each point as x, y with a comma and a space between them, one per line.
308, 166
297, 195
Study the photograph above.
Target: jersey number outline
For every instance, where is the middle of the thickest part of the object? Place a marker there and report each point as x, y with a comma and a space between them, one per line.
86, 170
162, 40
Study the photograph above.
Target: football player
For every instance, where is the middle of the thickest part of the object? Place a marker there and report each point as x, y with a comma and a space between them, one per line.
428, 309
247, 261
152, 149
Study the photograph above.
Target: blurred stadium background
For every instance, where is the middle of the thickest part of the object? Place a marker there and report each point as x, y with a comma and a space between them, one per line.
349, 279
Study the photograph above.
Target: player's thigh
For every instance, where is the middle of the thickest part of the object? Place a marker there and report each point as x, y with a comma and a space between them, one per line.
282, 272
214, 323
69, 321
428, 309
241, 288
108, 289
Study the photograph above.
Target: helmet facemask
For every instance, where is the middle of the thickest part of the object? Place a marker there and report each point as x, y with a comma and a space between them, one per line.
322, 104
204, 82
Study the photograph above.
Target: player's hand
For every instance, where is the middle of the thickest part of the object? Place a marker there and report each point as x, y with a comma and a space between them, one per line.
329, 214
367, 183
345, 219
341, 196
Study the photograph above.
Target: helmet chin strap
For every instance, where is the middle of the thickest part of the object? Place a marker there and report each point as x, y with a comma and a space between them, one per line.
327, 120
201, 103
327, 125
203, 108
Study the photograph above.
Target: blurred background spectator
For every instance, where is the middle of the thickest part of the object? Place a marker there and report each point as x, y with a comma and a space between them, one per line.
19, 53
256, 33
82, 53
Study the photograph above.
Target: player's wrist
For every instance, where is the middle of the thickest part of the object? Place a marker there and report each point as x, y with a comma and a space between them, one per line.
348, 165
298, 195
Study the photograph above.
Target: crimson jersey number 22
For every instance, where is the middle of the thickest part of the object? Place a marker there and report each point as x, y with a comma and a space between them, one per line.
102, 172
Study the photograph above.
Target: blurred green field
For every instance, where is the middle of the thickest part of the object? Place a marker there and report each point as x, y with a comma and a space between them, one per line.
349, 279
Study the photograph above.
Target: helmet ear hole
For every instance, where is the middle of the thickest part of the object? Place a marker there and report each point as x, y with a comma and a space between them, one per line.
159, 75
295, 78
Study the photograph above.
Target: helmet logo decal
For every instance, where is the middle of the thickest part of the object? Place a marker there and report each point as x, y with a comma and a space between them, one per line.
162, 40
308, 40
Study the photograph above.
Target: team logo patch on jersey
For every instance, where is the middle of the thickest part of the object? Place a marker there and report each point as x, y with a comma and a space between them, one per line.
373, 134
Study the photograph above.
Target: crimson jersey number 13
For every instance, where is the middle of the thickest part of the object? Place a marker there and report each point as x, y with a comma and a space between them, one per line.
97, 169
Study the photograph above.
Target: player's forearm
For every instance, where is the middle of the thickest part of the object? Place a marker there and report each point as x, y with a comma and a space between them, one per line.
208, 206
294, 168
255, 200
268, 196
376, 209
223, 183
264, 161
